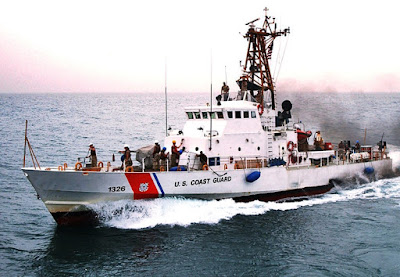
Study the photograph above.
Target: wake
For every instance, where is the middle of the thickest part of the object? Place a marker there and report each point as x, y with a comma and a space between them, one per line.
143, 214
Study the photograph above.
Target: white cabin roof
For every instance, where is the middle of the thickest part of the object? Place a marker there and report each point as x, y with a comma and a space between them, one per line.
224, 105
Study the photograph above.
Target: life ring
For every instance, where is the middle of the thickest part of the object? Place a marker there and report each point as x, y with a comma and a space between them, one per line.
60, 168
225, 166
65, 166
129, 169
100, 164
178, 168
290, 146
236, 166
205, 167
260, 109
78, 166
162, 168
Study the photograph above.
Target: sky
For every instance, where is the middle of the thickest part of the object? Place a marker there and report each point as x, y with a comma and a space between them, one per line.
141, 46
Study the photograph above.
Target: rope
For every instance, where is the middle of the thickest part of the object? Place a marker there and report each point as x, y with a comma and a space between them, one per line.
219, 175
277, 59
283, 56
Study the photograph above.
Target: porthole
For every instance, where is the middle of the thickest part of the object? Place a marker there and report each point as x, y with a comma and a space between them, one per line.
197, 149
258, 148
239, 149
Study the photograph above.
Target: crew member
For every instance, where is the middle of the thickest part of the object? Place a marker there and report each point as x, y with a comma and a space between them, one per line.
318, 142
156, 156
163, 157
357, 147
203, 159
243, 89
225, 92
175, 153
92, 155
341, 150
259, 97
126, 157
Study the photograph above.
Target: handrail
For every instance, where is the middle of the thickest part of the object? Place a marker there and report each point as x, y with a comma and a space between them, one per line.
33, 156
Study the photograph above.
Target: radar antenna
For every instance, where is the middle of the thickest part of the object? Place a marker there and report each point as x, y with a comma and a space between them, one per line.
251, 22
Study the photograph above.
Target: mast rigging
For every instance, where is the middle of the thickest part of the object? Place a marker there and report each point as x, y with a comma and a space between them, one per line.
256, 69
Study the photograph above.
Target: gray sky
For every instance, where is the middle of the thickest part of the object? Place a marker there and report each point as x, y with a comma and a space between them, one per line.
123, 46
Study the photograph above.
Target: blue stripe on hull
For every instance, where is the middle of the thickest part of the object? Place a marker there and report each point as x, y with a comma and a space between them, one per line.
158, 184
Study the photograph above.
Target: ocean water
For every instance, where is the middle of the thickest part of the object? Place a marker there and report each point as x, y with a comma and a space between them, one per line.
352, 231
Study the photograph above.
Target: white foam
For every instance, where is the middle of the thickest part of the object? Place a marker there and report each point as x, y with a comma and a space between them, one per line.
142, 214
394, 154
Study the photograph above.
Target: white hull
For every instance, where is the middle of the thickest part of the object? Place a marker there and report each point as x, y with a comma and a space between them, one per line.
68, 192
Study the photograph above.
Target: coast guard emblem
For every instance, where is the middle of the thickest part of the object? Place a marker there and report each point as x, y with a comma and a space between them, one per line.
143, 187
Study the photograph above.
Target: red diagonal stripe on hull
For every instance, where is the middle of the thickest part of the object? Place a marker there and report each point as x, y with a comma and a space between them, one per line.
142, 185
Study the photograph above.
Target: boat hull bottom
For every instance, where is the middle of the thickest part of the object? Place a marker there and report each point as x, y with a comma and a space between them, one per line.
305, 192
90, 218
81, 218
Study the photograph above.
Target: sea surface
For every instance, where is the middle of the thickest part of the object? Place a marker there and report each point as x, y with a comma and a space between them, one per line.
352, 231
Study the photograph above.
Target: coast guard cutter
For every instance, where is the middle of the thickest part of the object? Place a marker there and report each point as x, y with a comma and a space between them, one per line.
254, 151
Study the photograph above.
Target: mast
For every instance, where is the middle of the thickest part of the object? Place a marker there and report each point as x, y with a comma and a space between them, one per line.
256, 69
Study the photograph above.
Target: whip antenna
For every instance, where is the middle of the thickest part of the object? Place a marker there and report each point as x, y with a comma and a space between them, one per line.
226, 78
166, 99
211, 101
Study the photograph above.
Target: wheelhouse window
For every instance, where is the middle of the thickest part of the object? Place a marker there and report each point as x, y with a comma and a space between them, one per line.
205, 115
214, 161
190, 115
230, 114
246, 114
238, 114
253, 114
197, 115
220, 115
212, 115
